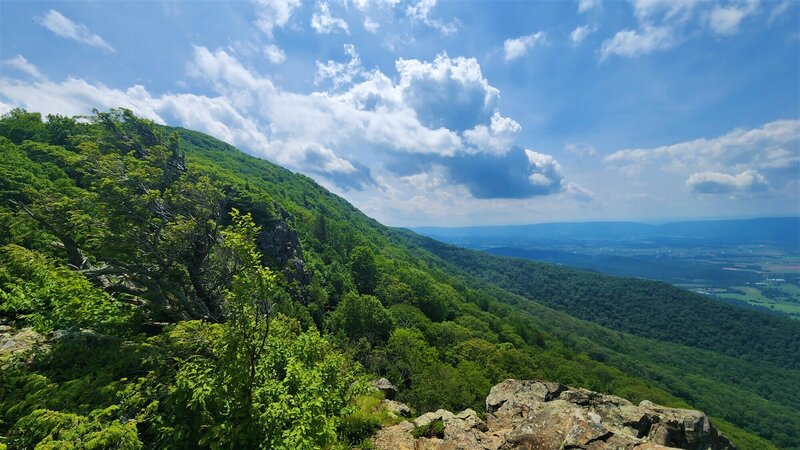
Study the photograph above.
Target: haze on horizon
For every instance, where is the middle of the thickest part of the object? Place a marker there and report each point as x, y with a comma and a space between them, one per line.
452, 113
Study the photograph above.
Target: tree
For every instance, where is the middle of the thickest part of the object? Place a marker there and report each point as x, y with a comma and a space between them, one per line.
364, 269
363, 316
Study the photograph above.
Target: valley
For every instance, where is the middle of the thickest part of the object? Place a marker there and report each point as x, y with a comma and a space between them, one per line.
751, 264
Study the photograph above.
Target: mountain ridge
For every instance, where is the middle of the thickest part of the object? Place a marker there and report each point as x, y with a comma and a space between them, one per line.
355, 292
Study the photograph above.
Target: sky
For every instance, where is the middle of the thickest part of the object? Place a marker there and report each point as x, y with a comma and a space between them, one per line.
451, 113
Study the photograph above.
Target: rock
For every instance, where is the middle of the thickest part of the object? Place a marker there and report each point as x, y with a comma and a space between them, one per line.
386, 387
396, 437
397, 408
15, 341
523, 414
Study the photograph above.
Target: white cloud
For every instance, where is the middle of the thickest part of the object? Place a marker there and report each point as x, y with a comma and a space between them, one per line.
581, 149
339, 73
579, 192
769, 154
495, 138
66, 28
588, 5
449, 92
545, 171
725, 20
515, 48
323, 22
580, 33
667, 9
421, 12
779, 10
371, 25
271, 14
632, 43
349, 139
721, 183
23, 65
274, 54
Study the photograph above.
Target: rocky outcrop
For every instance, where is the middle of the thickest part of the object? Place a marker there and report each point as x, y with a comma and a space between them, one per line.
279, 243
386, 387
13, 341
540, 415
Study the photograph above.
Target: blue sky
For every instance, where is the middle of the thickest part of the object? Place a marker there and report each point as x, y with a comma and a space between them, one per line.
451, 113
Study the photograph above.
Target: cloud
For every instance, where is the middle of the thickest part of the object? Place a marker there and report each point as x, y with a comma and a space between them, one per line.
372, 133
580, 33
762, 147
676, 10
580, 193
370, 25
495, 138
638, 42
274, 54
721, 183
779, 10
20, 63
725, 20
448, 92
769, 154
588, 5
324, 23
421, 12
581, 149
664, 24
66, 28
518, 173
339, 73
516, 48
271, 14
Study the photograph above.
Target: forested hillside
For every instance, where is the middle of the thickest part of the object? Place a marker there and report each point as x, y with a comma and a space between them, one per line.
191, 296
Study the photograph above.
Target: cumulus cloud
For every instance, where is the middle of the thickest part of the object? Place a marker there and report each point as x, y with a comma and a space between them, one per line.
518, 173
448, 92
516, 48
322, 21
274, 54
497, 137
66, 28
580, 33
766, 155
271, 14
721, 183
663, 24
638, 42
725, 20
340, 73
23, 65
372, 132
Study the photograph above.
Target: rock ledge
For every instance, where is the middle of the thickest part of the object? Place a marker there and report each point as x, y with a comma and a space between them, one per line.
541, 415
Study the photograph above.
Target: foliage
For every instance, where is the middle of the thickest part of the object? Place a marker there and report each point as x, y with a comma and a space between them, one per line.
435, 428
197, 297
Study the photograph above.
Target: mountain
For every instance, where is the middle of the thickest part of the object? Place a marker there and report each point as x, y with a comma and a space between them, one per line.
784, 230
160, 288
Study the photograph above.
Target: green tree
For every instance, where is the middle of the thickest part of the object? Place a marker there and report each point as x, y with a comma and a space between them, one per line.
362, 316
364, 269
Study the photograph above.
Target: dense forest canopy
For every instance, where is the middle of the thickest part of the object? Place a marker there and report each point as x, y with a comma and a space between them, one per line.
192, 296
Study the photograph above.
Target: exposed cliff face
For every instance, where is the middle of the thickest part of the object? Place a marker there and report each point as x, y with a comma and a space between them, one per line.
280, 244
539, 415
